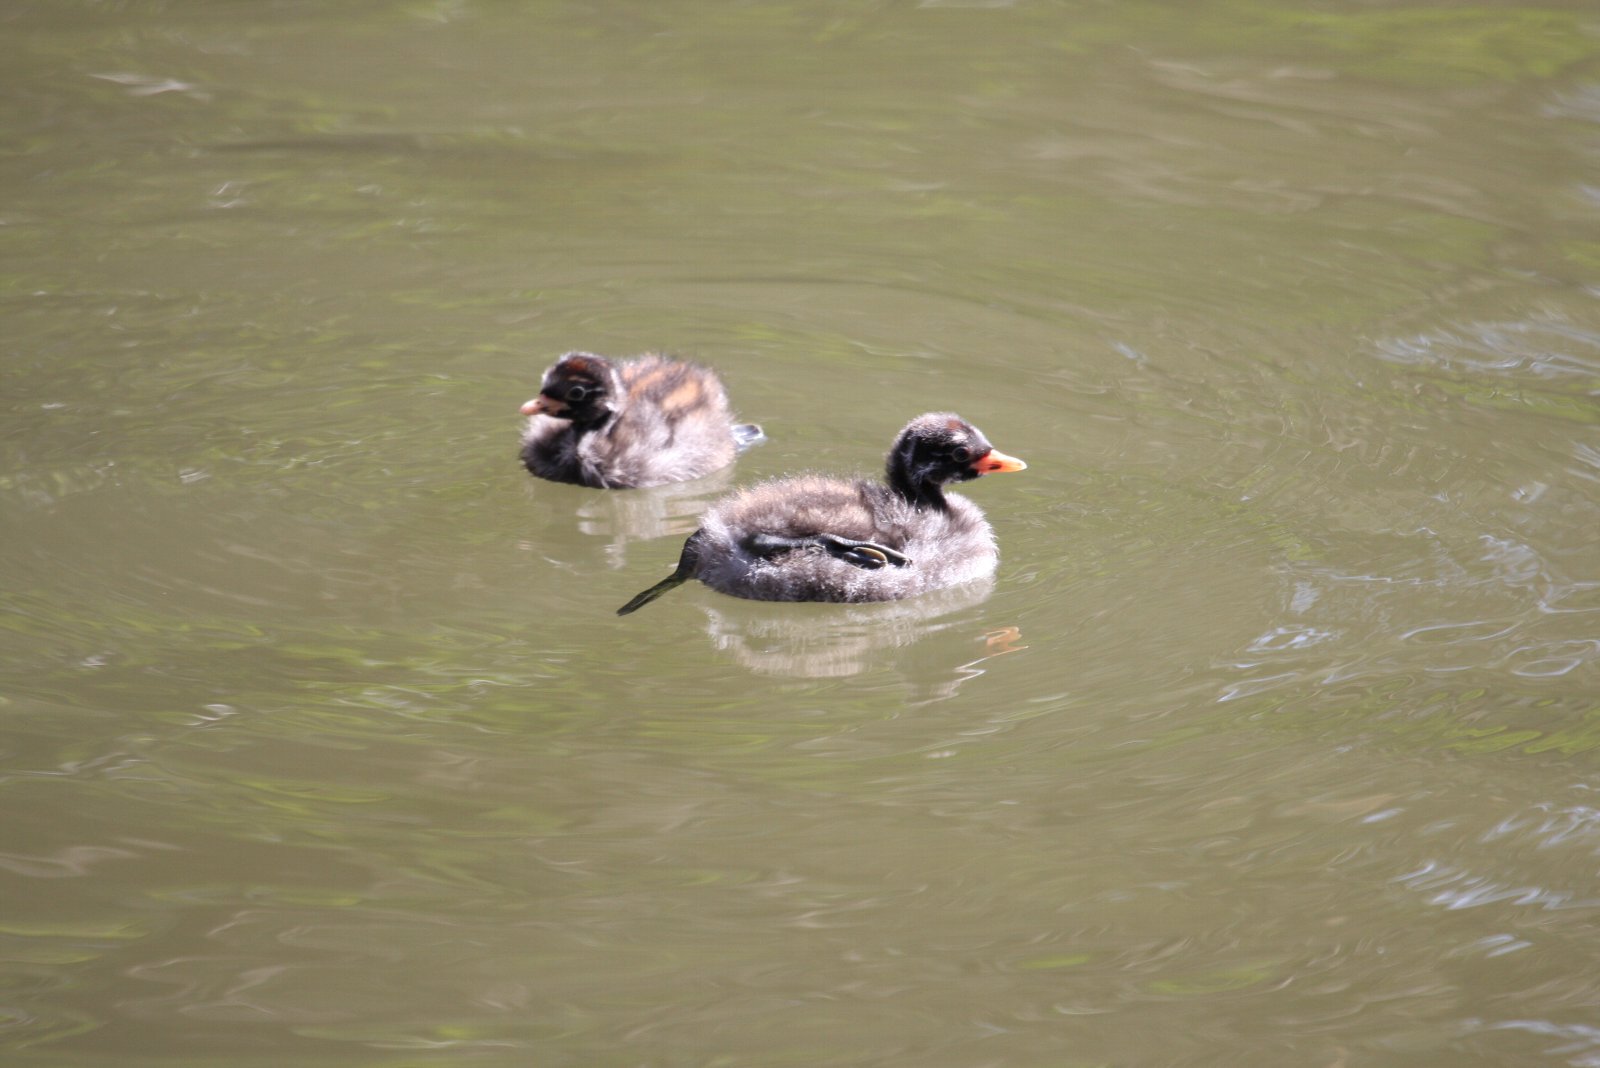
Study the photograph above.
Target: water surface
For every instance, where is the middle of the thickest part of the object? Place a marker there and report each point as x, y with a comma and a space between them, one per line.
1274, 740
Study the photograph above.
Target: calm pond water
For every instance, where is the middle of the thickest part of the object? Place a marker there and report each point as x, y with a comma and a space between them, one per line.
1275, 741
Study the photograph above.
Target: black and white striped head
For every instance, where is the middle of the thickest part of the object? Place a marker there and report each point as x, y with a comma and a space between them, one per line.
580, 386
939, 448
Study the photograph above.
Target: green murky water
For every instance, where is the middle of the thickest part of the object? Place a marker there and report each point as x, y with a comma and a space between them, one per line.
1276, 740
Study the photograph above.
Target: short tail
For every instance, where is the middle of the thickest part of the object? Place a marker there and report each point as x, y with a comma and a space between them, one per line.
746, 435
688, 564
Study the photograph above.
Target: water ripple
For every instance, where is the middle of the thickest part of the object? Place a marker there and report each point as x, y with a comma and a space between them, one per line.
1562, 353
1457, 888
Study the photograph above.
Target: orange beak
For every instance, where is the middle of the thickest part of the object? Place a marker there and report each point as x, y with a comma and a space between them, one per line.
542, 405
996, 462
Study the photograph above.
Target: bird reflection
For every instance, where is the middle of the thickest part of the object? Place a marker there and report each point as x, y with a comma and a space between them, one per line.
837, 641
1003, 641
996, 643
672, 510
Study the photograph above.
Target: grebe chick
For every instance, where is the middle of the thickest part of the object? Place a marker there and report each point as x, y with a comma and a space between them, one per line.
826, 539
642, 422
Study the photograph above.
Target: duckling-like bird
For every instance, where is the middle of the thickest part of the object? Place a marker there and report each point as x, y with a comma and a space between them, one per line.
643, 422
825, 539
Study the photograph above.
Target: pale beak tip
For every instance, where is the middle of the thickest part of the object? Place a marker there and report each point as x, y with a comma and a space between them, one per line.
997, 461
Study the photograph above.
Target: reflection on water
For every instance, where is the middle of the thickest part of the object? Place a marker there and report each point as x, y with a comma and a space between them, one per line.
837, 641
625, 517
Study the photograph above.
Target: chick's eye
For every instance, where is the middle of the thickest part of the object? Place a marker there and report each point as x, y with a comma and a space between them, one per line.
960, 454
576, 393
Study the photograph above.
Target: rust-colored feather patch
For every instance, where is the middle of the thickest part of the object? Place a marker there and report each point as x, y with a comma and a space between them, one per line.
683, 397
